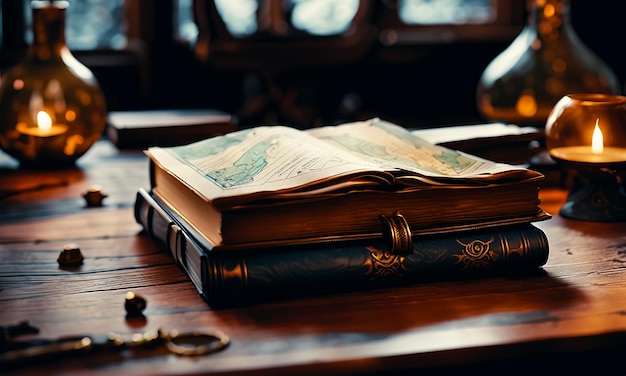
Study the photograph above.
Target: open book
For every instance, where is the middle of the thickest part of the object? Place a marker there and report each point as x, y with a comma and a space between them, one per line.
276, 184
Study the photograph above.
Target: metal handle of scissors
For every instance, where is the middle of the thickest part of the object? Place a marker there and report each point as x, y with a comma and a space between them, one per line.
44, 349
184, 344
196, 343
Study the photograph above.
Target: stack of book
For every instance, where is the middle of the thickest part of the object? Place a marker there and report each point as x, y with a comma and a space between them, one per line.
273, 212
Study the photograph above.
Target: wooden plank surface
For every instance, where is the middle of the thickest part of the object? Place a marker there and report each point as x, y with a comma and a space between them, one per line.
577, 304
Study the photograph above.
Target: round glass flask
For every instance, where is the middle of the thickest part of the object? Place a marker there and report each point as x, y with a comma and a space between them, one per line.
52, 109
545, 62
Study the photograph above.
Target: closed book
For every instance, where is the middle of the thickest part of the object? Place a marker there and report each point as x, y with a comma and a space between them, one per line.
274, 184
143, 129
507, 143
228, 277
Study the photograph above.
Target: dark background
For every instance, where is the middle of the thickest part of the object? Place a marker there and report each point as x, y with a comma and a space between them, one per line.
416, 85
420, 84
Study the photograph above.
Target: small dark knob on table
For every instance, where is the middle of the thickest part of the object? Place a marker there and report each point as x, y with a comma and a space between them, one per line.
70, 256
134, 305
94, 196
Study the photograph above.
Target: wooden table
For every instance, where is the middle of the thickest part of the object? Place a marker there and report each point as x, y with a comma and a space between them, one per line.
572, 316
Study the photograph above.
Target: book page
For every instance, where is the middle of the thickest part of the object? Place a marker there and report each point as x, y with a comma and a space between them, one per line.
263, 159
396, 148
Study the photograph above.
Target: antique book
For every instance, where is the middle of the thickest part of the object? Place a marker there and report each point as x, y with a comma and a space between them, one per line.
499, 142
473, 136
234, 277
142, 129
274, 185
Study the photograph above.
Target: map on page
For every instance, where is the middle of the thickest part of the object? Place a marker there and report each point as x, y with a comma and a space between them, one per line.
394, 147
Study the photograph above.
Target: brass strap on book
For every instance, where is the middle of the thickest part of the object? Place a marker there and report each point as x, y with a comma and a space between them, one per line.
397, 232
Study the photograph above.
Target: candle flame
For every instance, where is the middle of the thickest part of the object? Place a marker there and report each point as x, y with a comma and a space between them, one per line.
597, 141
44, 122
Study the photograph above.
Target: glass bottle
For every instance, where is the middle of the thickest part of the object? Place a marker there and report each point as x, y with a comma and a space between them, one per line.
545, 62
52, 109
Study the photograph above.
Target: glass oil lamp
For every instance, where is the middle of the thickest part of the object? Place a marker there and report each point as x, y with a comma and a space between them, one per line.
52, 109
586, 133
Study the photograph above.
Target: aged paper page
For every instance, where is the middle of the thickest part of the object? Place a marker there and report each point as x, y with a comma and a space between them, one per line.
395, 148
261, 159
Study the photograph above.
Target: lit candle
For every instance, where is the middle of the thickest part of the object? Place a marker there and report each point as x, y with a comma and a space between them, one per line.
43, 128
597, 153
597, 141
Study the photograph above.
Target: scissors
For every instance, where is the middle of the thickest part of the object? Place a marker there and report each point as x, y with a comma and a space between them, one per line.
14, 353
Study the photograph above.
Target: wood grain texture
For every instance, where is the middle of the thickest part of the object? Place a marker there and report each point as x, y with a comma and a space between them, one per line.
572, 312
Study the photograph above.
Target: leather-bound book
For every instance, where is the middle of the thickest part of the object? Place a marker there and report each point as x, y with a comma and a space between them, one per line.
143, 129
233, 277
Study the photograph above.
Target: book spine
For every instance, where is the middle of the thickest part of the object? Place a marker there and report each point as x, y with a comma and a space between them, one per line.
239, 277
158, 224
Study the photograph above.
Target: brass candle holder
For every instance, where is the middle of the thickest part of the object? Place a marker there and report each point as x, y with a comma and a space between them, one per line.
586, 134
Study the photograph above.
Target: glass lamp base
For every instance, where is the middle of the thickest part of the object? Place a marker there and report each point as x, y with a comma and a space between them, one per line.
597, 201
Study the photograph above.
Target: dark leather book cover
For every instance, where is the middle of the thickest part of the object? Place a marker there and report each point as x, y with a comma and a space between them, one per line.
229, 277
143, 129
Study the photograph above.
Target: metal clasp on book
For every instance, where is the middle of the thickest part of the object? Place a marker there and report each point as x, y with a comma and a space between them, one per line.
397, 232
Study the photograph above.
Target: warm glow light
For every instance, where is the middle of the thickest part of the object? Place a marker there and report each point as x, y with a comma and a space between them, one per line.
597, 141
44, 122
18, 84
526, 104
72, 143
70, 115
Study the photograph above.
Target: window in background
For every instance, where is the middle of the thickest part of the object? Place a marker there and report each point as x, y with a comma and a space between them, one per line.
323, 17
404, 21
98, 24
441, 12
315, 17
90, 24
428, 22
187, 28
239, 16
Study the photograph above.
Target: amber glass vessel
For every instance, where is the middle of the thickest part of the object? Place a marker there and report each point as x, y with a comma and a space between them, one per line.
578, 120
52, 109
545, 62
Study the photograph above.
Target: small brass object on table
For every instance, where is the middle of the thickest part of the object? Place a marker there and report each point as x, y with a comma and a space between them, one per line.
70, 256
134, 305
94, 196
